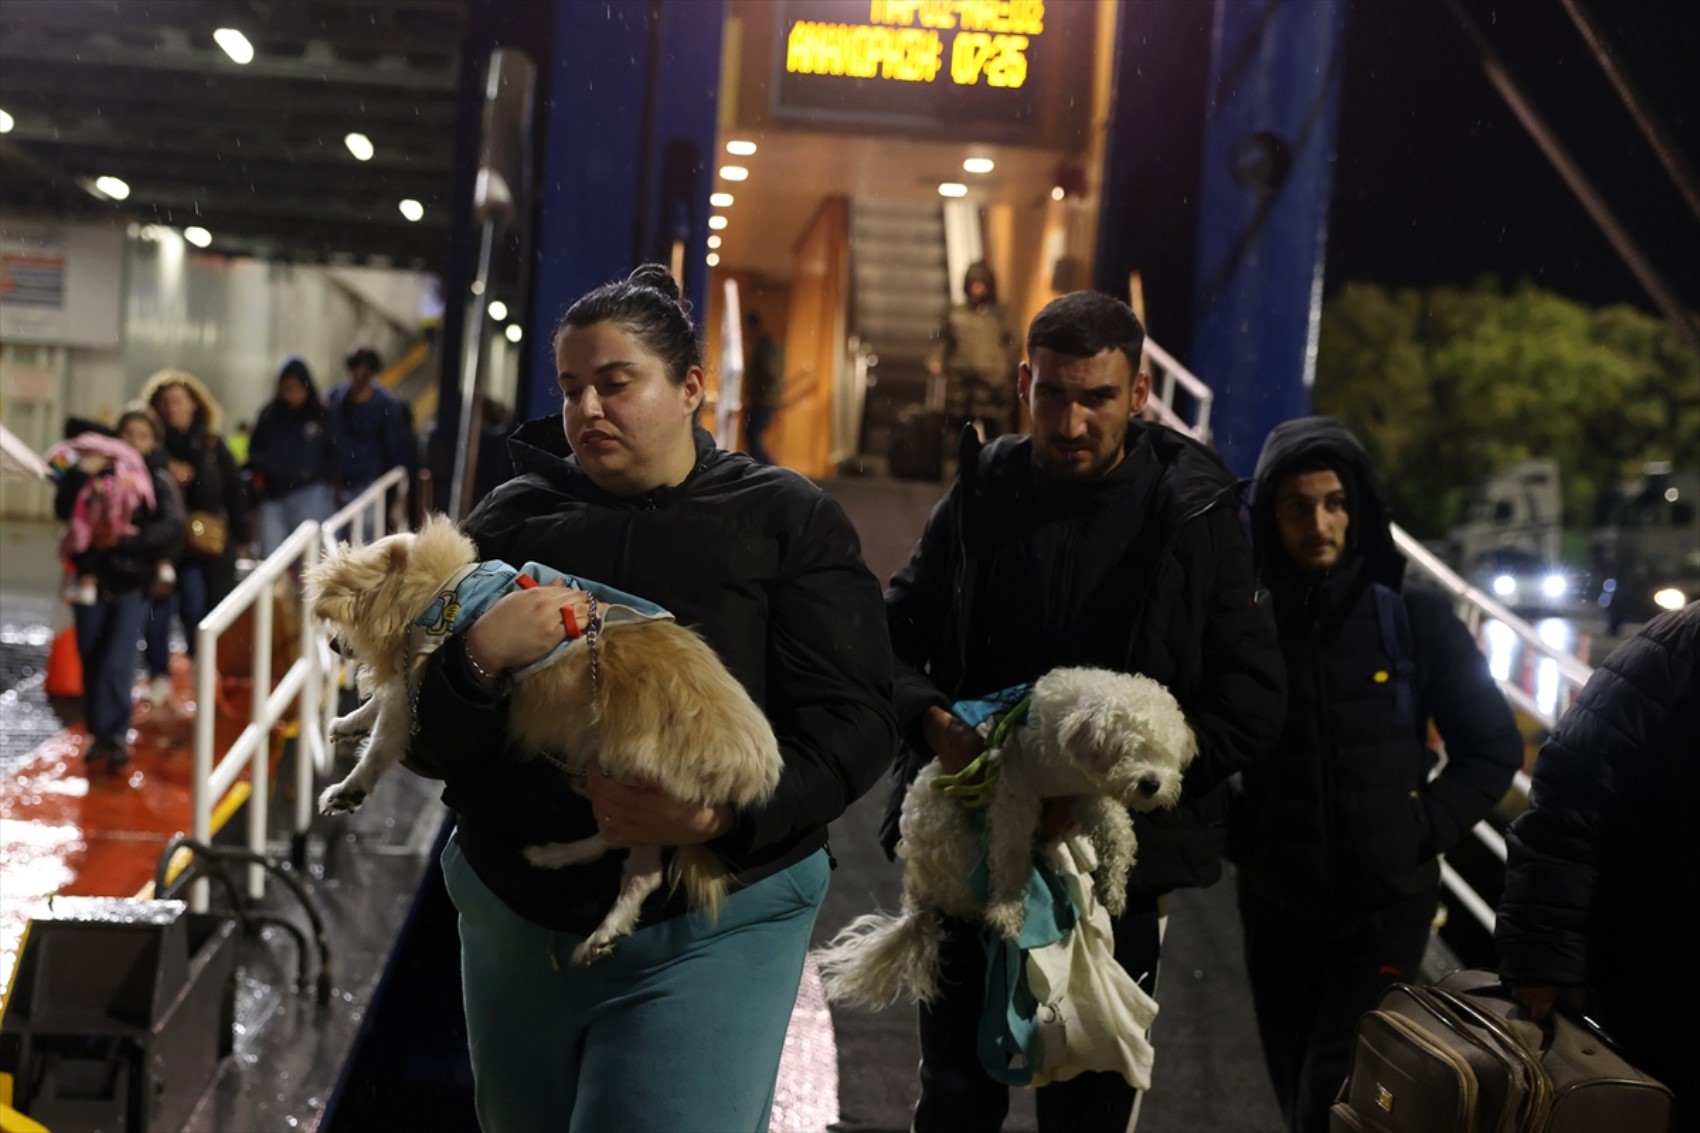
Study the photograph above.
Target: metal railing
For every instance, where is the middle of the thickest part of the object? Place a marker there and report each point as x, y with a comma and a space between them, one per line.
1166, 374
1474, 608
311, 677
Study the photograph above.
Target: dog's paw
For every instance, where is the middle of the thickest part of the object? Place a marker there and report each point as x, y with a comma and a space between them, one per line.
592, 950
559, 855
1007, 917
341, 799
345, 728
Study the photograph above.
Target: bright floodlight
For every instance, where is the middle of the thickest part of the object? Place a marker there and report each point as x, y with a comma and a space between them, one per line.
235, 45
953, 189
713, 242
714, 259
734, 173
740, 148
717, 222
514, 333
412, 209
360, 146
1058, 193
1554, 586
112, 187
720, 200
6, 122
1505, 586
978, 165
197, 236
1670, 598
498, 310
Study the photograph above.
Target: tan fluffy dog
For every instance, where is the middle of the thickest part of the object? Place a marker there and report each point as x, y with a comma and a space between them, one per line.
665, 709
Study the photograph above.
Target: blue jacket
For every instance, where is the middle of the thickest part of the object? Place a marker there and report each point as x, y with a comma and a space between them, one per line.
369, 437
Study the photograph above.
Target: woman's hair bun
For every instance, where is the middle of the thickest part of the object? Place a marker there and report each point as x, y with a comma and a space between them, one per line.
657, 277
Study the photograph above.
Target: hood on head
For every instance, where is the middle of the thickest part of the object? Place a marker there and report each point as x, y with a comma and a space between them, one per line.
1327, 440
982, 272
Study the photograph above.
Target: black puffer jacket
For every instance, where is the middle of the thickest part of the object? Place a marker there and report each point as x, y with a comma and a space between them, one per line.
1342, 815
216, 485
159, 532
1144, 571
760, 562
1598, 864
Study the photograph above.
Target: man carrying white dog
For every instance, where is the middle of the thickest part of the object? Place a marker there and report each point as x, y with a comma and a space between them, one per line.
1338, 832
1096, 541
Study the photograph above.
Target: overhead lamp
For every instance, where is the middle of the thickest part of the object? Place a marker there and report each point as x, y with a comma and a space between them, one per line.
498, 310
1058, 193
740, 148
1554, 585
953, 189
360, 146
6, 122
713, 242
734, 173
112, 187
197, 236
978, 165
717, 222
1670, 598
714, 259
412, 209
514, 333
235, 45
1505, 586
720, 200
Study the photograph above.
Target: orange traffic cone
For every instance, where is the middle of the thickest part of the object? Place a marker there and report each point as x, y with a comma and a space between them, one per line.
64, 666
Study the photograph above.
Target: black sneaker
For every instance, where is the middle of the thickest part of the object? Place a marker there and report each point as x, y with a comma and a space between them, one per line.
109, 752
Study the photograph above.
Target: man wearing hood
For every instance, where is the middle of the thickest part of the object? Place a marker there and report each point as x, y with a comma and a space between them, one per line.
1338, 833
977, 351
1097, 541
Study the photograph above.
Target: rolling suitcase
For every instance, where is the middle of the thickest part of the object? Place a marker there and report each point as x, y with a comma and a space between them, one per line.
917, 446
1454, 1056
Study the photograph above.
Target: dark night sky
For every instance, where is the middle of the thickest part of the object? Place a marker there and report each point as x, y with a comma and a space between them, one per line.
1437, 182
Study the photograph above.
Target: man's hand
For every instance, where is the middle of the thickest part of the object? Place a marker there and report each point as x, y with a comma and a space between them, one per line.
524, 625
1540, 999
954, 742
640, 815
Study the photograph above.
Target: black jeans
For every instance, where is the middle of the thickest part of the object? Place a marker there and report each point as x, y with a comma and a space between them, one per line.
1312, 976
958, 1096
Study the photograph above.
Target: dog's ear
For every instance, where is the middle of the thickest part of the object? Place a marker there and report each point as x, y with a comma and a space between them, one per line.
336, 586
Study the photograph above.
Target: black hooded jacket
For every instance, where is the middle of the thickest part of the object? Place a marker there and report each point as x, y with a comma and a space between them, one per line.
760, 562
1143, 571
1343, 815
158, 536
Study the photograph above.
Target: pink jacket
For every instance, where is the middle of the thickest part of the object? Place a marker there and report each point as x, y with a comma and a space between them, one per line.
108, 502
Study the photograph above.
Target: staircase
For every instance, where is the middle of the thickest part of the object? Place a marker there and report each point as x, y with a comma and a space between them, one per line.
899, 296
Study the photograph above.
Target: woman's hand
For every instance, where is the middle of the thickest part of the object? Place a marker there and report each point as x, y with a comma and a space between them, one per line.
953, 741
94, 463
640, 815
181, 471
524, 625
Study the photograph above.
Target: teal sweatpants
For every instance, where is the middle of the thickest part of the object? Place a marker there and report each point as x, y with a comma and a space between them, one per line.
680, 1030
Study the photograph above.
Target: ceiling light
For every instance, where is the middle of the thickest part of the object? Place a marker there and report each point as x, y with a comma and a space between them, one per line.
734, 173
953, 189
412, 209
1058, 193
713, 259
1670, 598
6, 122
235, 45
477, 287
717, 222
1505, 586
740, 149
112, 187
514, 333
197, 236
713, 242
720, 200
978, 165
360, 146
498, 310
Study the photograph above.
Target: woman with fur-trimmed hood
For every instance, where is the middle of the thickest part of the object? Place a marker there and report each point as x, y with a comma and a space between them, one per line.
206, 475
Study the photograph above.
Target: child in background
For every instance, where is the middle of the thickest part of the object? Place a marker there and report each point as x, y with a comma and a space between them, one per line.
124, 517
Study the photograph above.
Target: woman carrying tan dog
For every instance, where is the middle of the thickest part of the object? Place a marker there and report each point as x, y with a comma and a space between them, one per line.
681, 1027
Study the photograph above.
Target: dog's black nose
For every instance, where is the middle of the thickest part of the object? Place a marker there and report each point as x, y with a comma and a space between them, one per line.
1149, 787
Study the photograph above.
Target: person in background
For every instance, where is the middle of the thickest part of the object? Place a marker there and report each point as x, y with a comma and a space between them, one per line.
216, 515
238, 442
764, 388
290, 457
1101, 541
1595, 869
683, 1025
1338, 831
977, 351
121, 567
371, 432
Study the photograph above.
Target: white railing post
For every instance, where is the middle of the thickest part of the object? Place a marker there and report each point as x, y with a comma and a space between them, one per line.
260, 759
309, 734
206, 717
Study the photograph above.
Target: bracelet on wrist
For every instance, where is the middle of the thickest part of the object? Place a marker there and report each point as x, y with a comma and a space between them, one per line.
485, 676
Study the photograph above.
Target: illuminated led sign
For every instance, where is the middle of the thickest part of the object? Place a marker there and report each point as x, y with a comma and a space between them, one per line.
921, 62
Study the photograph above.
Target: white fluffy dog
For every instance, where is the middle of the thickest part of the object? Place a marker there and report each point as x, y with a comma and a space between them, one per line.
1109, 740
664, 708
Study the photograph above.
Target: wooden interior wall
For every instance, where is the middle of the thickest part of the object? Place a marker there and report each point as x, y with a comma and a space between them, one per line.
814, 340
